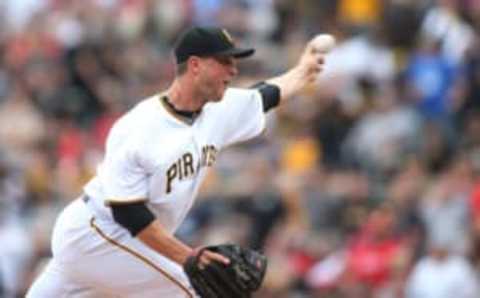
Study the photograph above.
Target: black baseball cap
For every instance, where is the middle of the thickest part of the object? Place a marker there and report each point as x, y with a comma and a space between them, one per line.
208, 41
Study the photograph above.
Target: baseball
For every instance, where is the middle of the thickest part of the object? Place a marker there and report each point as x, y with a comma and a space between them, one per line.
323, 43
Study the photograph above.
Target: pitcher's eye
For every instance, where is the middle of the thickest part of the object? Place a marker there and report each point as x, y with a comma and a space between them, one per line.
224, 60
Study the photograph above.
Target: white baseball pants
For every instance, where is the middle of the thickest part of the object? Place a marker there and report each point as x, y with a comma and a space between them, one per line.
95, 258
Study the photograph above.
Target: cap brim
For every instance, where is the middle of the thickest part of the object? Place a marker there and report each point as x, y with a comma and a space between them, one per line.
238, 52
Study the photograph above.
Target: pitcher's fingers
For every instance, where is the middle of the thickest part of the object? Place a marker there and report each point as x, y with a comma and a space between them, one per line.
217, 257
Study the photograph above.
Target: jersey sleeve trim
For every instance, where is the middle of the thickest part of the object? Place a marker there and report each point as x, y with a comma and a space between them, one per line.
110, 202
134, 217
270, 95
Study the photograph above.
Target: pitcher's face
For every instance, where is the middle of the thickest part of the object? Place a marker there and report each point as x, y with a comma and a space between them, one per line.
216, 73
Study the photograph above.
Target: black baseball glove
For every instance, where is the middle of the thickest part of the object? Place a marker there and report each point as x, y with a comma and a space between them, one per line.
242, 276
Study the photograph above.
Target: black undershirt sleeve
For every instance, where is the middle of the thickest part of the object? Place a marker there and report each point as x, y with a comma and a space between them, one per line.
133, 216
270, 95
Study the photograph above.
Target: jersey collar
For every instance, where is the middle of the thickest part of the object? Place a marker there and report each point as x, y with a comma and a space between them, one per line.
187, 117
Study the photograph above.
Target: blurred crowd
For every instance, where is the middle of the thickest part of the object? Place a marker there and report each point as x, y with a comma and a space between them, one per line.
365, 186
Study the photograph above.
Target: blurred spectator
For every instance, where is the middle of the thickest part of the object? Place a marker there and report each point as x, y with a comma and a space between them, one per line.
21, 125
472, 70
442, 274
432, 80
404, 191
376, 148
16, 249
377, 256
444, 25
330, 127
436, 147
444, 207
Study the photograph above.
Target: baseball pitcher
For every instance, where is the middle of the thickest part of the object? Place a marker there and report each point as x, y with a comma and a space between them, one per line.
117, 239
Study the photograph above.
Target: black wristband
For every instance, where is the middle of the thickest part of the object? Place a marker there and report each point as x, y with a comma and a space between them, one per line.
270, 95
133, 216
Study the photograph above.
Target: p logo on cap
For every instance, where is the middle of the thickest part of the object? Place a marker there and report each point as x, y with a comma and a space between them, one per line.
228, 36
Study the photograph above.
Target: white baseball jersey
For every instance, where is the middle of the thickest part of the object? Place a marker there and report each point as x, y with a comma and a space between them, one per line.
152, 155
